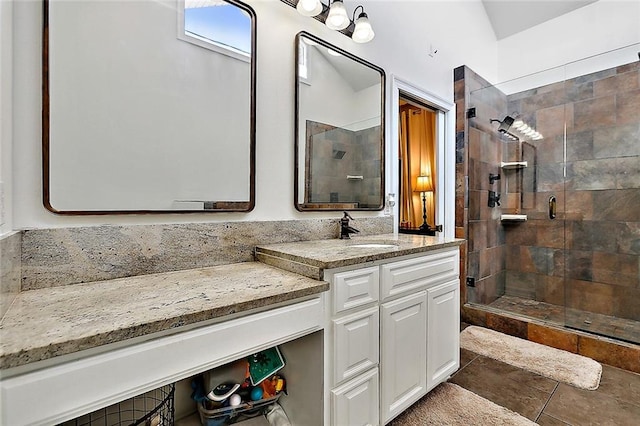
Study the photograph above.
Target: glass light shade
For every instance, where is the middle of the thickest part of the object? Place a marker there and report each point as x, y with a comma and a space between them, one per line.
423, 184
338, 18
363, 32
309, 7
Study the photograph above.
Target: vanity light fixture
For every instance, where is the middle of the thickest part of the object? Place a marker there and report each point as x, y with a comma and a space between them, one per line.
362, 32
309, 7
337, 18
334, 15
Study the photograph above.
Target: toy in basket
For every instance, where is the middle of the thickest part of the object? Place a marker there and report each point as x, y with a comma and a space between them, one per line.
230, 402
264, 364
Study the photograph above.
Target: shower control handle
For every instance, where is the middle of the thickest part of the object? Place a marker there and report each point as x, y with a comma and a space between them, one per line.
552, 207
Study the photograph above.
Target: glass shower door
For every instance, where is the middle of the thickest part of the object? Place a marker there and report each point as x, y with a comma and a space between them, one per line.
602, 195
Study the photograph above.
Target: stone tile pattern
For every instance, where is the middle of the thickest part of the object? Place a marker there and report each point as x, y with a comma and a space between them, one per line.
55, 257
547, 402
9, 270
479, 151
599, 205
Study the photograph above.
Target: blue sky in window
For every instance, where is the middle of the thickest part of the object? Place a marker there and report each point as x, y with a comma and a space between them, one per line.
225, 24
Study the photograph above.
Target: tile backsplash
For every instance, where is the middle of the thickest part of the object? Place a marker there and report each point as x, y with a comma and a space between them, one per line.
55, 257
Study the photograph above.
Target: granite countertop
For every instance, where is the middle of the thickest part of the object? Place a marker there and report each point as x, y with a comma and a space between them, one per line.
45, 323
312, 258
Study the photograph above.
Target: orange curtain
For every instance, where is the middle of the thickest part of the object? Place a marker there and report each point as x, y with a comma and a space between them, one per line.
417, 153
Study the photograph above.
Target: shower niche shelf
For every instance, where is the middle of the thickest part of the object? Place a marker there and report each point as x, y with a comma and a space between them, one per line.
513, 165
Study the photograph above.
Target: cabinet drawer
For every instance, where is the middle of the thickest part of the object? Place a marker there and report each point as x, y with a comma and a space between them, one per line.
355, 288
407, 275
355, 344
356, 402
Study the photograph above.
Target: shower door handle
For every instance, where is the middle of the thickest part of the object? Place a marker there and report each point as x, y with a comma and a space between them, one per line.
552, 207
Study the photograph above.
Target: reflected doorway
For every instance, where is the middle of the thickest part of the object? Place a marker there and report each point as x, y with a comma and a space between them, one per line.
418, 174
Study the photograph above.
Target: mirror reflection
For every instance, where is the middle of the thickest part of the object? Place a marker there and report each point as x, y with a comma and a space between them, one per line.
339, 129
156, 113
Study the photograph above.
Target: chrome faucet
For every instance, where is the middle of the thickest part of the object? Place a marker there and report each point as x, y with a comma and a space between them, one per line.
345, 229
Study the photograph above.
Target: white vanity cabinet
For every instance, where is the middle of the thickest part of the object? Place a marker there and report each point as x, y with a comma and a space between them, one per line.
353, 346
393, 334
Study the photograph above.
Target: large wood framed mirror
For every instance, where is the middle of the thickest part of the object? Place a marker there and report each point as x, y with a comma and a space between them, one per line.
148, 106
339, 129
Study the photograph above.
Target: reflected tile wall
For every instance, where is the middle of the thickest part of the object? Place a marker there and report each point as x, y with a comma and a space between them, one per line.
336, 153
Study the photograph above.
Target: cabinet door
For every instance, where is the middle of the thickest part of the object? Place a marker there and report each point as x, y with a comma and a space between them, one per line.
443, 332
356, 344
403, 353
356, 402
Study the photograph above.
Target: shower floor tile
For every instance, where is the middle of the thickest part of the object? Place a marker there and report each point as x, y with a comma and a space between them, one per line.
618, 328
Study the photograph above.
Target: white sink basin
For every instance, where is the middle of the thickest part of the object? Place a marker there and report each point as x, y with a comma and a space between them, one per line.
373, 245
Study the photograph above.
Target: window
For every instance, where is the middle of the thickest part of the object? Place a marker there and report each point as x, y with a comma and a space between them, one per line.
303, 70
217, 25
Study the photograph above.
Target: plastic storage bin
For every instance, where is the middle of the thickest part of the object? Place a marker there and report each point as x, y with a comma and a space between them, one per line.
229, 415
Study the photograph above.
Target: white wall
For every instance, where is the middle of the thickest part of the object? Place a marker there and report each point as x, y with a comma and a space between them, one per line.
590, 30
6, 178
405, 30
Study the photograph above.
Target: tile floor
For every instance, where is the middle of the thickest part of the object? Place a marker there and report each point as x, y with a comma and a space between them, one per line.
547, 402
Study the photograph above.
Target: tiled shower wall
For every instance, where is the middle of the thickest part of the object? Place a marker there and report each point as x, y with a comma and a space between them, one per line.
597, 209
479, 151
603, 155
600, 205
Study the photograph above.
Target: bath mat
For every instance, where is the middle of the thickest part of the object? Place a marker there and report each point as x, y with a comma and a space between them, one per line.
555, 364
451, 405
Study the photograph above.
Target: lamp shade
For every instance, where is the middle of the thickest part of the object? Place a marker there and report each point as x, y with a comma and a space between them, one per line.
337, 18
362, 32
309, 7
423, 184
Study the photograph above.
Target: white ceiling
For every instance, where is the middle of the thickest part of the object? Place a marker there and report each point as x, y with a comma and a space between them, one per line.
509, 17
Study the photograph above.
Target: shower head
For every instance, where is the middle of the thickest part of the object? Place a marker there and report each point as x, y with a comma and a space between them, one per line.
505, 124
